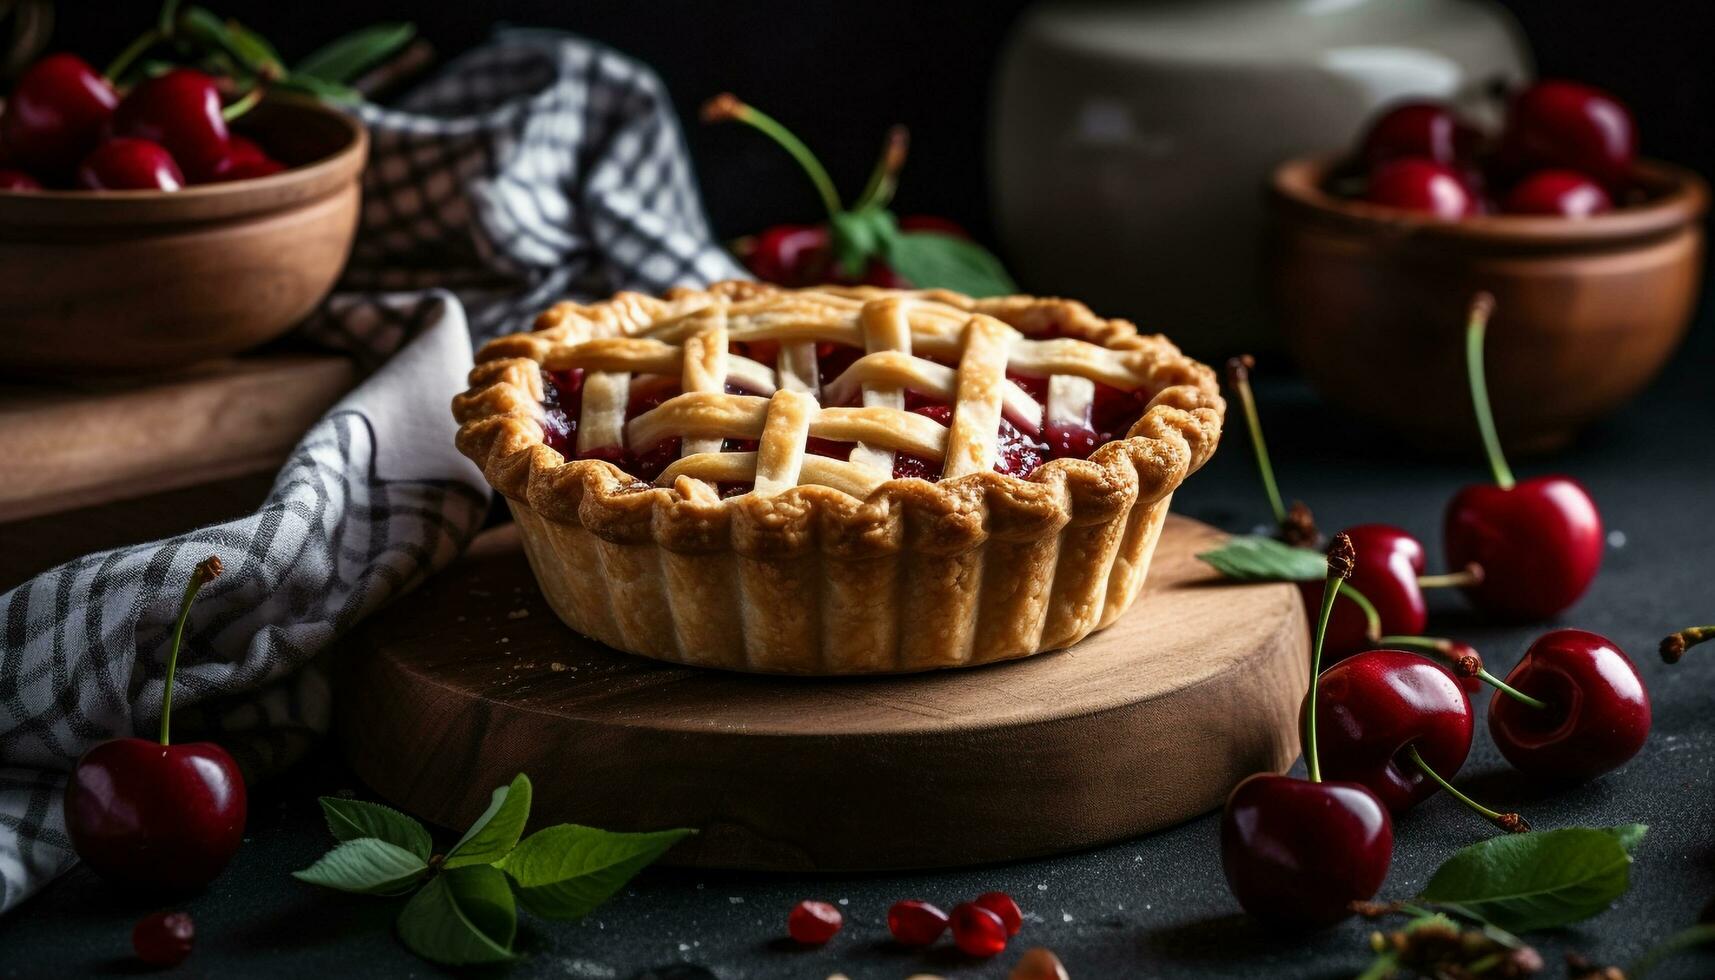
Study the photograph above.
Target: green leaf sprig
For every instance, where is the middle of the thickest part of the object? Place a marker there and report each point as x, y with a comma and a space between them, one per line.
226, 48
1255, 558
464, 910
867, 230
1525, 882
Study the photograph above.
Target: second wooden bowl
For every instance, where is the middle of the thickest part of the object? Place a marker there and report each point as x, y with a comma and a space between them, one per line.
1371, 302
103, 282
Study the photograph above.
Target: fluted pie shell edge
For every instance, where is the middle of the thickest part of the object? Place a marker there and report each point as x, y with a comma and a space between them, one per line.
918, 576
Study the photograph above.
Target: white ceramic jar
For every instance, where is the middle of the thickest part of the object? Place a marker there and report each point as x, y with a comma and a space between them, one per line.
1132, 140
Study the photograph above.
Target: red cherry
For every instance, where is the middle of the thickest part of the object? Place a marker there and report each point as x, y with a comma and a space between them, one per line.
782, 255
163, 939
1537, 543
1298, 853
123, 164
180, 110
977, 931
1596, 712
56, 113
152, 814
1569, 126
915, 923
1389, 562
1372, 707
1421, 185
1001, 904
929, 222
17, 180
245, 160
813, 923
1427, 130
1564, 193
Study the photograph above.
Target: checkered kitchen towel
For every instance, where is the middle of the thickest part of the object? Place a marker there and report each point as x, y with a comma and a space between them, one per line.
535, 167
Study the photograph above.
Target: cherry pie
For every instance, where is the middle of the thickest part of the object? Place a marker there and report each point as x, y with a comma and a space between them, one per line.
836, 480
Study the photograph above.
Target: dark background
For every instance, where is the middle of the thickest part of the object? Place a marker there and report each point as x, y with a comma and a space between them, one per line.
840, 73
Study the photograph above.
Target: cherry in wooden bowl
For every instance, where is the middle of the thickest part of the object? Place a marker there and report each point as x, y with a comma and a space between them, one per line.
121, 282
1371, 302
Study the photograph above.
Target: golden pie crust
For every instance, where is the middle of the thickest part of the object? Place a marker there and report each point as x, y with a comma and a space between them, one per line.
830, 567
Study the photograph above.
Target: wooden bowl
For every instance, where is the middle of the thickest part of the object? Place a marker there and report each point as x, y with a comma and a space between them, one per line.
1372, 302
135, 281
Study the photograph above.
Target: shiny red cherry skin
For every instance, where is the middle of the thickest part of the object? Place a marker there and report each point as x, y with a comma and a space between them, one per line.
156, 817
180, 110
1539, 544
779, 254
17, 180
164, 939
1424, 186
244, 160
1297, 853
56, 114
1556, 124
1372, 707
1426, 130
934, 223
1388, 563
1597, 714
123, 164
1562, 193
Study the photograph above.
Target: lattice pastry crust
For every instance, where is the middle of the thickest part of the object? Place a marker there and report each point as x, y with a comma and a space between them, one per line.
782, 559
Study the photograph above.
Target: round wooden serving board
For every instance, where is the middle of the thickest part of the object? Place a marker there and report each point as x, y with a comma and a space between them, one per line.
471, 679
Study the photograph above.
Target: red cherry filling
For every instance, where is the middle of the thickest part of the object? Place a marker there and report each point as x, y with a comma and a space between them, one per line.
1109, 416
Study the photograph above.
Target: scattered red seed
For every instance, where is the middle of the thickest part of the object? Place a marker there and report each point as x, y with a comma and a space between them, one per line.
915, 923
813, 923
1001, 904
163, 939
977, 931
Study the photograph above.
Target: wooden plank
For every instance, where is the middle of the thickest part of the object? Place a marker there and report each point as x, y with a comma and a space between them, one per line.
71, 447
472, 679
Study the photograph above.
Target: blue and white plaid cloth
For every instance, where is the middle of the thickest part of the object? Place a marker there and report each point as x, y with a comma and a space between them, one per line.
536, 167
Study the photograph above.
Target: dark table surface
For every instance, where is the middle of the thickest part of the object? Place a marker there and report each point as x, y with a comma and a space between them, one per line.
1154, 906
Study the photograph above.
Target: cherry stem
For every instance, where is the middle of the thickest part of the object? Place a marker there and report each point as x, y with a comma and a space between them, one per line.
1674, 645
1444, 647
1471, 574
1481, 306
884, 179
243, 105
1372, 618
727, 106
1512, 823
206, 571
1239, 379
132, 52
1341, 558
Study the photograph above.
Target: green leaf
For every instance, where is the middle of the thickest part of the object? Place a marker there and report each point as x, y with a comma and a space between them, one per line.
352, 819
1254, 558
1543, 880
497, 831
931, 260
324, 90
207, 29
367, 866
343, 58
859, 236
255, 49
1629, 835
464, 917
565, 871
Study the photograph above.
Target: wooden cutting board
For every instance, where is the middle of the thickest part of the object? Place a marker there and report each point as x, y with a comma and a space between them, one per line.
472, 679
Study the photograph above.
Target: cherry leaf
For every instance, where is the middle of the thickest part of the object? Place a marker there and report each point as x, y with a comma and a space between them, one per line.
931, 260
1255, 558
1540, 880
859, 236
344, 58
354, 819
464, 917
496, 832
367, 866
565, 871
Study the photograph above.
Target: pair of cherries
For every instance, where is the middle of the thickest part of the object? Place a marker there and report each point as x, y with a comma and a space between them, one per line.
66, 124
1566, 150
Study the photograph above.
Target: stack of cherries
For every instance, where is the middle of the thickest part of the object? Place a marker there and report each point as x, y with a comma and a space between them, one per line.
66, 126
1565, 150
1389, 727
